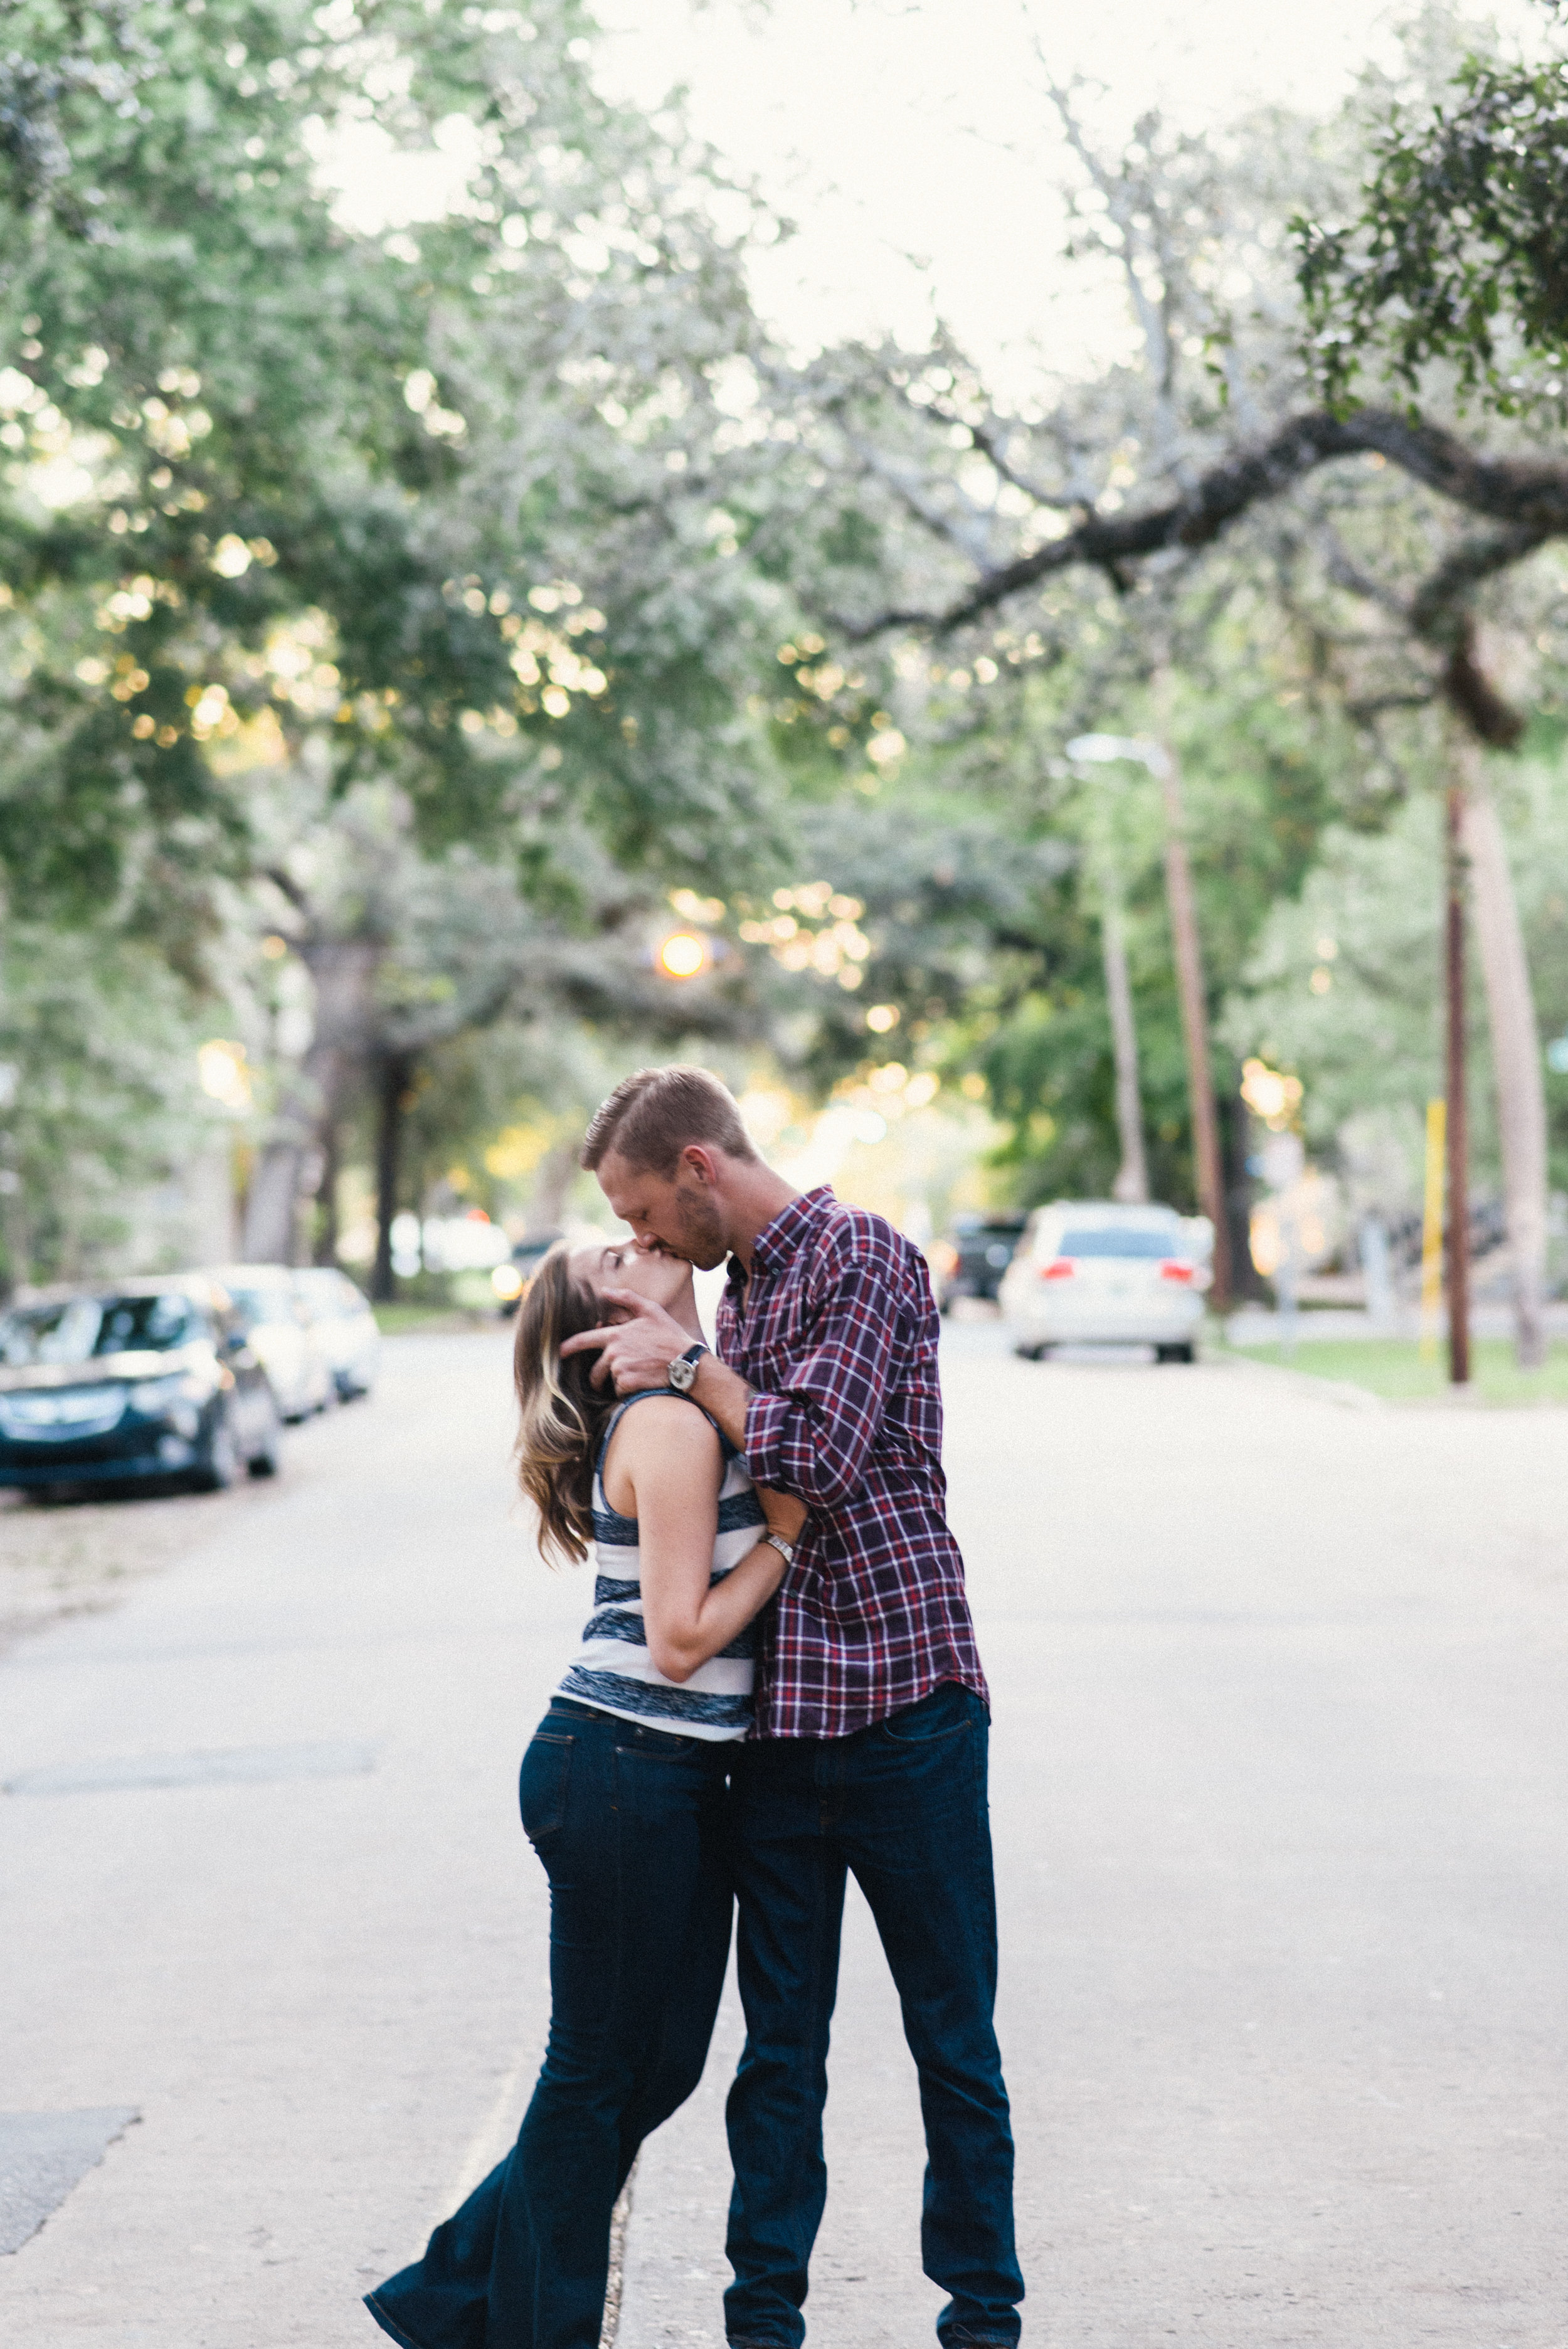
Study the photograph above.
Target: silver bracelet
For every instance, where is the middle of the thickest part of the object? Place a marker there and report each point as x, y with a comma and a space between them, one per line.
775, 1541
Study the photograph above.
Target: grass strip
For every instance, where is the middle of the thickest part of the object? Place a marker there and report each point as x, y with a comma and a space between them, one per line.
1396, 1369
430, 1320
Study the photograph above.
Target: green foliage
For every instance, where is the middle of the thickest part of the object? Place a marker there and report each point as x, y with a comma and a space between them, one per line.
1343, 985
1457, 252
1400, 1371
235, 422
98, 1046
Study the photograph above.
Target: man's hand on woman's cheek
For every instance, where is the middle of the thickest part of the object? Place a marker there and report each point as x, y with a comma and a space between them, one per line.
636, 1352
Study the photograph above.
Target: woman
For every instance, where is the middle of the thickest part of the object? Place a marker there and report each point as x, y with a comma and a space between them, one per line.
624, 1800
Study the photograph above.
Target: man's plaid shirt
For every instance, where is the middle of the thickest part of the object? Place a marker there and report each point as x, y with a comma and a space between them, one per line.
837, 1331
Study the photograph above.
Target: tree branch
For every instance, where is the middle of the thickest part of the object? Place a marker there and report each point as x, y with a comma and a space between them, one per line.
1439, 606
1473, 694
1529, 498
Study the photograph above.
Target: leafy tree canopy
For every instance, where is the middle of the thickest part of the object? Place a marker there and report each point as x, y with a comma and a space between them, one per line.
1457, 254
452, 492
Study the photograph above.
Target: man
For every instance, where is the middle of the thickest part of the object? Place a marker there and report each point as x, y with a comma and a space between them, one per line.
871, 1709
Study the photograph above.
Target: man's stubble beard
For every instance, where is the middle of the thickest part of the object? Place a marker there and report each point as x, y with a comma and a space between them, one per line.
702, 1239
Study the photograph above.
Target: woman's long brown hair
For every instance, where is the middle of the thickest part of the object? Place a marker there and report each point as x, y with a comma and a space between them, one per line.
563, 1414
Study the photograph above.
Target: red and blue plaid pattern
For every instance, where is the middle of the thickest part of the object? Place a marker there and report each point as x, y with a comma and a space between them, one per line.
838, 1333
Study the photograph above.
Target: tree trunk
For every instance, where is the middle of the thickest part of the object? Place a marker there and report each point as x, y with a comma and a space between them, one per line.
343, 971
552, 1179
1194, 1026
1457, 1126
272, 1201
1131, 1182
325, 1249
1235, 1149
393, 1074
1515, 1056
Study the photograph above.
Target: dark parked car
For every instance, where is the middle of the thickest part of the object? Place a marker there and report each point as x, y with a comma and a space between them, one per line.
972, 1260
511, 1279
137, 1379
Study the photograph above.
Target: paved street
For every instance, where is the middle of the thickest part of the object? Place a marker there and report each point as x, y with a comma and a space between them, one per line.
1280, 1793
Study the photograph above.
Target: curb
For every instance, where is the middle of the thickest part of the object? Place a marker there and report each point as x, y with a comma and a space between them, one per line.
1344, 1393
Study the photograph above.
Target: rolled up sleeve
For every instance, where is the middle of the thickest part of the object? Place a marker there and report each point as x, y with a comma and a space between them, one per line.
812, 1437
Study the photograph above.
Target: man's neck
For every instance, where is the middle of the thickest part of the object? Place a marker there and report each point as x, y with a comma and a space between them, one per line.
755, 1196
686, 1313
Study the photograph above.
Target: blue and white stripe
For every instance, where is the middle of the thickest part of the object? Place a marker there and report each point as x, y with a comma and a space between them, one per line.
613, 1670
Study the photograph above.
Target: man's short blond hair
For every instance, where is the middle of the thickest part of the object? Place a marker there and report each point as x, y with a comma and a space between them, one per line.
649, 1119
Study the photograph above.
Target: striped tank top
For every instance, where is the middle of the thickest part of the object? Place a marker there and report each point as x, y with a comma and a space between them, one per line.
613, 1670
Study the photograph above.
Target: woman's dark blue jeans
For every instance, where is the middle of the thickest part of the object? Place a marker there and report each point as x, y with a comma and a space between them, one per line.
904, 1804
631, 1824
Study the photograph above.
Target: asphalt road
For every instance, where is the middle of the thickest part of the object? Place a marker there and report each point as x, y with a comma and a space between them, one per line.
1279, 1780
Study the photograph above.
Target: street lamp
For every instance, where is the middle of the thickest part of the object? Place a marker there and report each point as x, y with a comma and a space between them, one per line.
1098, 750
1131, 1182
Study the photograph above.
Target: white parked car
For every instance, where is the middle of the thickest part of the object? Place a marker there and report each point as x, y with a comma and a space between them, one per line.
346, 1326
283, 1334
1088, 1272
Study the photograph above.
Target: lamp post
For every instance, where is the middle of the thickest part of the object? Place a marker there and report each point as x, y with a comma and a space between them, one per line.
1131, 1182
1098, 750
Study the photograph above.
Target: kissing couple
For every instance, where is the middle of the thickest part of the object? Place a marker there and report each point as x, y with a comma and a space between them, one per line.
778, 1684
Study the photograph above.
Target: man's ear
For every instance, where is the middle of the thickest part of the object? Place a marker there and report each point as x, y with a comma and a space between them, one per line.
698, 1160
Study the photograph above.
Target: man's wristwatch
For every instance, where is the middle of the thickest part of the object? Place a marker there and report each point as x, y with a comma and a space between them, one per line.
771, 1540
682, 1371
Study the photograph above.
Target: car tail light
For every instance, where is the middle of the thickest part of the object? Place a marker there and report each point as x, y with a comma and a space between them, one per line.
1060, 1267
1182, 1272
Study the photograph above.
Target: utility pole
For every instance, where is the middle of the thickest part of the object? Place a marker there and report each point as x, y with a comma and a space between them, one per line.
1458, 1134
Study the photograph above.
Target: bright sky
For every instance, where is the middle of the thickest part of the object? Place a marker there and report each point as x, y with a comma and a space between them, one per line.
911, 141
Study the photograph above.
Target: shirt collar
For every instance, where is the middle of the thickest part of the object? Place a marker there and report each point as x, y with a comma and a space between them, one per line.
791, 1228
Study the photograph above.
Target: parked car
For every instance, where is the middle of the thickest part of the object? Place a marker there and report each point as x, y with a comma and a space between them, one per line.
1088, 1272
345, 1327
973, 1260
284, 1332
510, 1281
134, 1380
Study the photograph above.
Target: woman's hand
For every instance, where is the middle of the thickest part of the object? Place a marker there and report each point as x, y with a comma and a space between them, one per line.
785, 1516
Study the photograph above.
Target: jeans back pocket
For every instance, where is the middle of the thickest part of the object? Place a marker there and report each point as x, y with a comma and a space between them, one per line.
543, 1784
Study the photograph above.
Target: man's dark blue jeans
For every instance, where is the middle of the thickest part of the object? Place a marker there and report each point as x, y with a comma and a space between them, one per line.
904, 1804
630, 1824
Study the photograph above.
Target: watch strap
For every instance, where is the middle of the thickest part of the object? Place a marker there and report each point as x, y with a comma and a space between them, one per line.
693, 1355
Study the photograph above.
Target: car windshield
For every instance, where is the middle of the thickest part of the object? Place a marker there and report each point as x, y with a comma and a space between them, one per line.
86, 1326
1118, 1240
258, 1307
329, 1296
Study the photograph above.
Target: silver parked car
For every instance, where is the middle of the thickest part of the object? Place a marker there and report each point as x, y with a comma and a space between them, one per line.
1089, 1272
345, 1327
282, 1330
